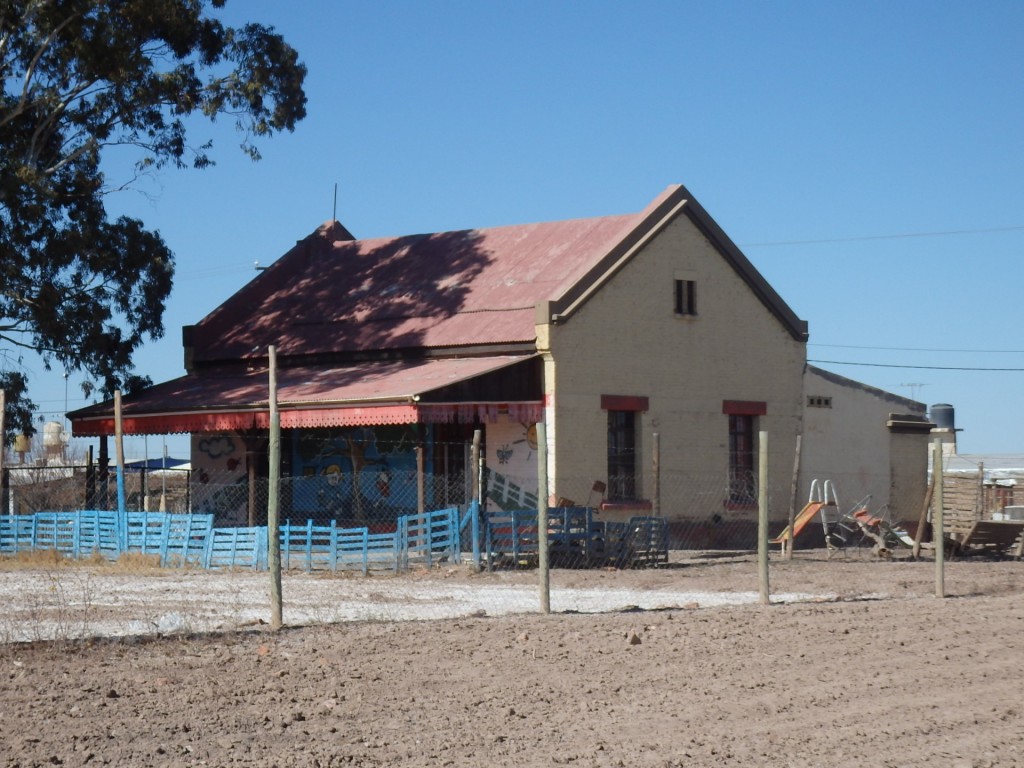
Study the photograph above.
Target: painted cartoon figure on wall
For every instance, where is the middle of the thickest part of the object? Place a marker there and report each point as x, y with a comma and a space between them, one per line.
365, 475
219, 481
512, 464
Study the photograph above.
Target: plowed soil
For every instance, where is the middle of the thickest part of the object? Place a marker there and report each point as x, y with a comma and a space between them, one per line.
869, 668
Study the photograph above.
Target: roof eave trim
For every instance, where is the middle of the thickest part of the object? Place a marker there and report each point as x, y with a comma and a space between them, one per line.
796, 327
676, 200
663, 212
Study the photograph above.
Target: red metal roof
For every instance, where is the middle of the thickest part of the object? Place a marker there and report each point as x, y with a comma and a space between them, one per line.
366, 393
334, 298
331, 294
437, 290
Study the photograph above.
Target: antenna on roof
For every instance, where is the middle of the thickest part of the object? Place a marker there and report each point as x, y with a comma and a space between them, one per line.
914, 388
334, 213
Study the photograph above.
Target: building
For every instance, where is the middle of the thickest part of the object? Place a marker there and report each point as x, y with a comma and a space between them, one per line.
844, 441
650, 347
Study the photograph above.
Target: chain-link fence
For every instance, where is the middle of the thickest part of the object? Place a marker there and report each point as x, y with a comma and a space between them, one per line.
61, 488
384, 539
697, 512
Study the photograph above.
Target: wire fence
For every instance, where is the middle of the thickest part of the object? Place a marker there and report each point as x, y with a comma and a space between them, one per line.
700, 512
394, 541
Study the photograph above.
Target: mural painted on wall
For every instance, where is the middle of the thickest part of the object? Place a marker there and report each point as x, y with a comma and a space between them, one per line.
220, 485
359, 475
512, 464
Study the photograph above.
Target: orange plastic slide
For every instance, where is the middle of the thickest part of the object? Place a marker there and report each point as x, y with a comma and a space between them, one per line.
800, 522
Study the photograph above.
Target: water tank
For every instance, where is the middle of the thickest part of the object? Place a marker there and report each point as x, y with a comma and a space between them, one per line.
942, 416
53, 438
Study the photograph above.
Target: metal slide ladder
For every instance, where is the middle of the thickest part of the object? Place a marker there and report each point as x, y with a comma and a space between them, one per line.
852, 528
824, 492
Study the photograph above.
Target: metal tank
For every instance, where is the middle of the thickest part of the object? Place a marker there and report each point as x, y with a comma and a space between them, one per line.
943, 416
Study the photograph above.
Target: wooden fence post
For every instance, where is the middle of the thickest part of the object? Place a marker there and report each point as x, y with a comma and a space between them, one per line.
938, 535
762, 517
273, 499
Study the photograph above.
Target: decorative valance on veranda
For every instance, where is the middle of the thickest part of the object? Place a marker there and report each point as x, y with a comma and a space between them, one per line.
425, 391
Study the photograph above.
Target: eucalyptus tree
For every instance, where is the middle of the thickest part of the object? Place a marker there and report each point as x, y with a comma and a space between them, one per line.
81, 288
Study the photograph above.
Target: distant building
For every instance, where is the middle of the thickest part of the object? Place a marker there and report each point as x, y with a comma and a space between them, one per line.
870, 443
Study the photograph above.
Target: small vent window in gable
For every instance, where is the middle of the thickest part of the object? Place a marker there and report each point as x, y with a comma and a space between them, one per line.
685, 294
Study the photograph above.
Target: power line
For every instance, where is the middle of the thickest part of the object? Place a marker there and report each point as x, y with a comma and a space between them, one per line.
899, 236
921, 367
921, 349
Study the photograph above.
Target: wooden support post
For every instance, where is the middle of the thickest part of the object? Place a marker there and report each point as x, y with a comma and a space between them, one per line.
656, 471
793, 489
980, 505
474, 461
274, 499
3, 445
90, 480
420, 481
922, 518
542, 517
122, 511
762, 517
474, 504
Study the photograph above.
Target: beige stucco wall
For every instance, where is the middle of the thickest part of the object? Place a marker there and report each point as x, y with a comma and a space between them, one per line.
627, 340
850, 444
908, 468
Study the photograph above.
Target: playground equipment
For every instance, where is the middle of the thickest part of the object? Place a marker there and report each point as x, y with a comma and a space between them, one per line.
821, 496
860, 526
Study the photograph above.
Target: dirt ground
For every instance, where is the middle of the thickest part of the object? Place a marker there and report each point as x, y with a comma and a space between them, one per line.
869, 669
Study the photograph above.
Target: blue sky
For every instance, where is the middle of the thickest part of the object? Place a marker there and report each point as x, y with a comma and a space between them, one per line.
867, 157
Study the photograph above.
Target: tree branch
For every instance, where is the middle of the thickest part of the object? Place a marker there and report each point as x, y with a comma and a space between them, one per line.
47, 125
31, 68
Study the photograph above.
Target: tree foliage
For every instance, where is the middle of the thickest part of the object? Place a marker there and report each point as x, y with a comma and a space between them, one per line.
81, 76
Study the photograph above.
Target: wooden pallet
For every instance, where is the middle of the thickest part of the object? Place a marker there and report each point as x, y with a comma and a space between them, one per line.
999, 537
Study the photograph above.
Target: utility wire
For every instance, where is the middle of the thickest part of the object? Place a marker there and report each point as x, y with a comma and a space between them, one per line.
899, 236
923, 367
921, 349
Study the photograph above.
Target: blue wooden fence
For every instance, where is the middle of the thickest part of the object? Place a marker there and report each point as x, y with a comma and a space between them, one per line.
236, 548
421, 539
174, 538
329, 548
575, 538
428, 538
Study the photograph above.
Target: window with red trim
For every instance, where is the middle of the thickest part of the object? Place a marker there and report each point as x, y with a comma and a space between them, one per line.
621, 455
742, 473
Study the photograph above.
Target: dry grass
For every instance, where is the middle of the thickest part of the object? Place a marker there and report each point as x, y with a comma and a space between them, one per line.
51, 558
35, 559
